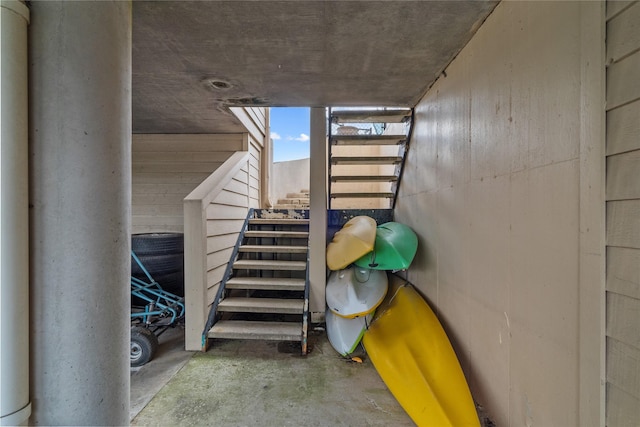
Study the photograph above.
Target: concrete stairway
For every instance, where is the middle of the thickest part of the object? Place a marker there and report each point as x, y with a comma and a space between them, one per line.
366, 158
265, 292
294, 201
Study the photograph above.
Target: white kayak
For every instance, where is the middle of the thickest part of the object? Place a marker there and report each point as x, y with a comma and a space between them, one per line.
356, 291
345, 334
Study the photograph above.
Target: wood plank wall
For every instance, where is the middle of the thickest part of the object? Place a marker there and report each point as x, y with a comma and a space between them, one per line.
623, 214
166, 168
225, 216
255, 120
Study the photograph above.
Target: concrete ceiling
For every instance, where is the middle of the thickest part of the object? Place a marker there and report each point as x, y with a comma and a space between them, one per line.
194, 59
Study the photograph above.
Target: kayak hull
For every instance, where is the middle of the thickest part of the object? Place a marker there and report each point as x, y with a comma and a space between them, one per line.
355, 291
345, 334
414, 357
394, 249
355, 239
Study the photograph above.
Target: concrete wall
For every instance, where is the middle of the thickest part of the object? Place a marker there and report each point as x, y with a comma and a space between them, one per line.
166, 168
289, 177
504, 187
623, 213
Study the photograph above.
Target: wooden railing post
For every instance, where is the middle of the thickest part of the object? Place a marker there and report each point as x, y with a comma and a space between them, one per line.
195, 271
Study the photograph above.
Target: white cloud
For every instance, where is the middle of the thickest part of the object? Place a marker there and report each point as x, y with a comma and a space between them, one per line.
302, 138
275, 136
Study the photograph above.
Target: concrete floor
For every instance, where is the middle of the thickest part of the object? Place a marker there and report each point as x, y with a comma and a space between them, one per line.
148, 380
257, 383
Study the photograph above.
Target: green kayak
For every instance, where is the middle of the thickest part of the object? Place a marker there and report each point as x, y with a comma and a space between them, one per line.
394, 248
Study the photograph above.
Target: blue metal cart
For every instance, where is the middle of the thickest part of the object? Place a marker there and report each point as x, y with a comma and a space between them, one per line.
153, 311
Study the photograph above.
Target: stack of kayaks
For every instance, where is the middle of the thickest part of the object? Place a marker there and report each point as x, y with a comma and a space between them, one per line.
404, 339
352, 296
358, 255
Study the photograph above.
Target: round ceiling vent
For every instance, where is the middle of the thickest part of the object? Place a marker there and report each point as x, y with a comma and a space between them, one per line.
218, 84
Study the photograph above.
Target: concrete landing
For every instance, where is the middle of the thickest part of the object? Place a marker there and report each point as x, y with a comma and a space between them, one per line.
256, 383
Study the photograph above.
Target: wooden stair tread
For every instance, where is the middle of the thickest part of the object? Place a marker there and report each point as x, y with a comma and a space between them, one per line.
261, 305
284, 234
368, 139
361, 195
289, 206
250, 264
370, 116
364, 178
368, 160
266, 283
293, 201
278, 221
274, 249
245, 329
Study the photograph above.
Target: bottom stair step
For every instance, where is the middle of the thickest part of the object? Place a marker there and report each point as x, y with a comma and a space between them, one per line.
247, 330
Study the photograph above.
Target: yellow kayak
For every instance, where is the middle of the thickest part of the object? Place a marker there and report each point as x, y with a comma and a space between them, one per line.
414, 357
355, 239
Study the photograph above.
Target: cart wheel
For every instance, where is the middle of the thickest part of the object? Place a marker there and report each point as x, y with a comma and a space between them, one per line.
144, 344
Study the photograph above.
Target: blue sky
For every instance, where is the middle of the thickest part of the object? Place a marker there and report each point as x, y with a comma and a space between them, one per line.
290, 133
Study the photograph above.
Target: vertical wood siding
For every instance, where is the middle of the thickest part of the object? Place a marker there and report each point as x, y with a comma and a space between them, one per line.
166, 168
623, 214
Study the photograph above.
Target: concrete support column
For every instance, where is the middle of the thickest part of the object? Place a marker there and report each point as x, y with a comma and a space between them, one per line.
80, 173
14, 216
318, 213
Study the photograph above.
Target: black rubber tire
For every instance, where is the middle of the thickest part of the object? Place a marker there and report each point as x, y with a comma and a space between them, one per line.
158, 265
171, 282
144, 345
161, 254
157, 243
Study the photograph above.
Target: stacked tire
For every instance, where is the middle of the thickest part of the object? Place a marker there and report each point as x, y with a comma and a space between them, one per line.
162, 254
